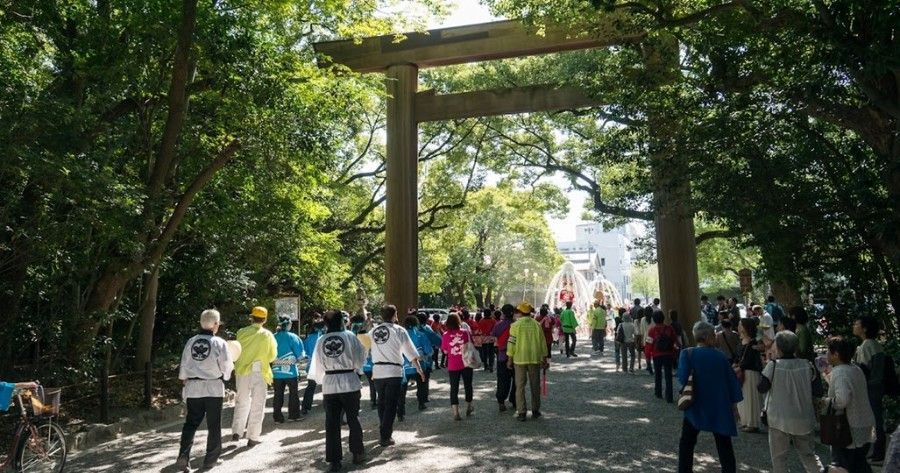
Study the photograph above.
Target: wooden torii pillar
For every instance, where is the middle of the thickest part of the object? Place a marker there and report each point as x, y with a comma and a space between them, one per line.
401, 60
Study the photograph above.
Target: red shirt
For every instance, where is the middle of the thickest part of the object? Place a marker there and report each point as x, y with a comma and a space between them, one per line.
547, 323
487, 326
657, 331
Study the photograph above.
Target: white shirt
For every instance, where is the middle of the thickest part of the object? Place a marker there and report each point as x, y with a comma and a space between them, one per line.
768, 326
390, 343
338, 351
205, 363
847, 390
789, 402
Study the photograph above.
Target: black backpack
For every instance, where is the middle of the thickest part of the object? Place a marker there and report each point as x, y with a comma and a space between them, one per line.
663, 341
620, 334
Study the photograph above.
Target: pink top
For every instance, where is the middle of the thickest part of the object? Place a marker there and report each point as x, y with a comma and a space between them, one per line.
452, 344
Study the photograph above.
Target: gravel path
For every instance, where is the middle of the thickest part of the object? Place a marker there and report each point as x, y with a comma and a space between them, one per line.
594, 420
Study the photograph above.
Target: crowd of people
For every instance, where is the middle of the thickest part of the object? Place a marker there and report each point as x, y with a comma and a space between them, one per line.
753, 373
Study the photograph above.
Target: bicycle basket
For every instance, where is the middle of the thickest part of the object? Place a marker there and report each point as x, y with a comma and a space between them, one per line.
45, 402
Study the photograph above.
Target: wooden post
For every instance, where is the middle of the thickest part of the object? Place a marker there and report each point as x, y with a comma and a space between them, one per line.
148, 385
401, 213
104, 394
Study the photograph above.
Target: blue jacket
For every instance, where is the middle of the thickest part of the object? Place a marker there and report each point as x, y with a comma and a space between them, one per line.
309, 343
423, 344
6, 391
716, 390
291, 350
433, 337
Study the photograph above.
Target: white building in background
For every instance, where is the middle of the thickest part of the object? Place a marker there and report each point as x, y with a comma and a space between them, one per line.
605, 251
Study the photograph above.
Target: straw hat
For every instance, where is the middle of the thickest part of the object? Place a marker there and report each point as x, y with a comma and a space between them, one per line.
525, 308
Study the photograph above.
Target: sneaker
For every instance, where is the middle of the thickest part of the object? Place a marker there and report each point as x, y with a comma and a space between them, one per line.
575, 355
536, 414
386, 442
521, 417
183, 464
252, 443
359, 458
211, 465
235, 437
335, 466
279, 421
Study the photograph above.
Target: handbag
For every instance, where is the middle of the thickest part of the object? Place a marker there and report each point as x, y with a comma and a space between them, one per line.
764, 415
686, 398
834, 428
470, 356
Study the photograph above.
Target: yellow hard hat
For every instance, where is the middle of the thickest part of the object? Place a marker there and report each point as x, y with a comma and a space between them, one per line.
259, 312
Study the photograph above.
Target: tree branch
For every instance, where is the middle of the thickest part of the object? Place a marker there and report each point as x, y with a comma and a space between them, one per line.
712, 234
177, 100
160, 243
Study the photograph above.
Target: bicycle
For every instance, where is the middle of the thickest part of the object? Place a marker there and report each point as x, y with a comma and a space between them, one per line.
39, 444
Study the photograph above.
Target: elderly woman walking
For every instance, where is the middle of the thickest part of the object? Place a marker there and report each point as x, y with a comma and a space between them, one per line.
748, 366
788, 380
847, 392
715, 392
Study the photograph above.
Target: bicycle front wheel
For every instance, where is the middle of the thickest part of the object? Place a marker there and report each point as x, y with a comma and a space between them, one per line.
41, 449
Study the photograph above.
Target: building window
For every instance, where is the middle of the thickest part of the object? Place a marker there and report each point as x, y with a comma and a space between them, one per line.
602, 261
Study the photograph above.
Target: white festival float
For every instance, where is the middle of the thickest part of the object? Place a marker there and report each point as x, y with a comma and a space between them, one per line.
569, 285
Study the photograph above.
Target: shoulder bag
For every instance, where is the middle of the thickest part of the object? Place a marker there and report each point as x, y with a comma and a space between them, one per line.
764, 415
470, 356
686, 398
834, 428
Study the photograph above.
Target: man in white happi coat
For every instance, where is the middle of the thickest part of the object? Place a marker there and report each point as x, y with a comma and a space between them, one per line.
336, 366
390, 343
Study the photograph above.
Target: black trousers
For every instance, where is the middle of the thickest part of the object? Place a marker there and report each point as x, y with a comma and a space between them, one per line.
388, 397
423, 386
434, 357
293, 399
598, 339
506, 384
489, 355
688, 441
852, 459
197, 409
308, 395
373, 393
466, 375
335, 405
876, 401
570, 348
663, 364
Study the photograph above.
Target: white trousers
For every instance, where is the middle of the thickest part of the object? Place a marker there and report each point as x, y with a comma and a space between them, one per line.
250, 405
780, 446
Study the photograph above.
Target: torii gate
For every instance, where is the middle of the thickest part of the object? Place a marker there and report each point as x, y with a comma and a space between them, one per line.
400, 62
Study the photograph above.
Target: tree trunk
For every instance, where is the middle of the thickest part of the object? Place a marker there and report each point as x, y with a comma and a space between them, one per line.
786, 294
489, 296
479, 296
147, 317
